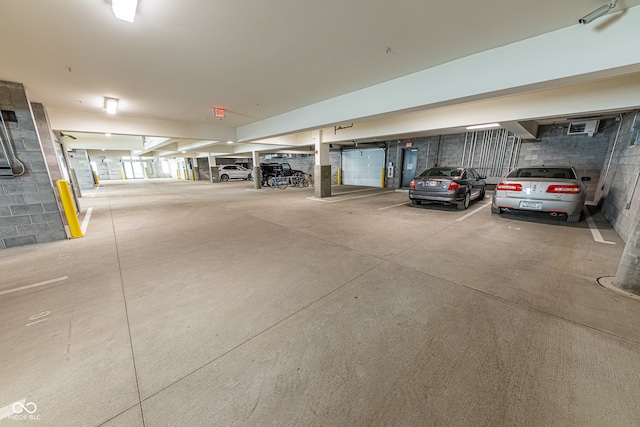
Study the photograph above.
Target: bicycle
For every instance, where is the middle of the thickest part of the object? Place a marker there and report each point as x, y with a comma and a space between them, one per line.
304, 180
278, 181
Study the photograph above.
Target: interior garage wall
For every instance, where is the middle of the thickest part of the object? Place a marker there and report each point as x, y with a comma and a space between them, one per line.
28, 206
552, 147
620, 178
79, 162
298, 162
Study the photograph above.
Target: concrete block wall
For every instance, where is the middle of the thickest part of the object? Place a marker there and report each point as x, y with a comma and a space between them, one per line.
79, 162
301, 162
203, 170
553, 147
29, 210
585, 153
620, 189
109, 167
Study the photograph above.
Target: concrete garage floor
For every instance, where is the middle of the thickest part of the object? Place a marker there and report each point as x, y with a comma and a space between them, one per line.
194, 304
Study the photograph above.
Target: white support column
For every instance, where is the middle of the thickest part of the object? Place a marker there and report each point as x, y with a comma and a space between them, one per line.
257, 181
322, 168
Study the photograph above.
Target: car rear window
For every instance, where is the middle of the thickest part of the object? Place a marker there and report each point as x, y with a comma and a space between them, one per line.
559, 173
441, 172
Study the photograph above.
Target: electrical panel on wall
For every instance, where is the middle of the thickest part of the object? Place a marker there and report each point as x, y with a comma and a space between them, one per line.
588, 127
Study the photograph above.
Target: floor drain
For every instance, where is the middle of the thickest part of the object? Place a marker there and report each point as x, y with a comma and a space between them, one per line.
607, 282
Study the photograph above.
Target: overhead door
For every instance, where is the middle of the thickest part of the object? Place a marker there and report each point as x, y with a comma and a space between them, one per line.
363, 167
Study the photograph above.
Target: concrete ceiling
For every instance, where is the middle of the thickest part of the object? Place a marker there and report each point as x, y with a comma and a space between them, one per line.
284, 67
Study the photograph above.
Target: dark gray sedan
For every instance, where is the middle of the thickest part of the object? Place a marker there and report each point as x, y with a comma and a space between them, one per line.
447, 185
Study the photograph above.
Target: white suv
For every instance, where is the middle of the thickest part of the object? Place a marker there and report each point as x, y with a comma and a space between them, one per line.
226, 172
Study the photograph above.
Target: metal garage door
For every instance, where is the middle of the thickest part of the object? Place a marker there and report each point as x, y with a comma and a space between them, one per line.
363, 167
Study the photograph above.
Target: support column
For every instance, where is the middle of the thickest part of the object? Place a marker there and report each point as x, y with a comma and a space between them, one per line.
628, 274
212, 162
257, 179
213, 169
322, 167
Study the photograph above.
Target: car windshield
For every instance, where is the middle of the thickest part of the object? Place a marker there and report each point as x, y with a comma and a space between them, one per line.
441, 172
558, 173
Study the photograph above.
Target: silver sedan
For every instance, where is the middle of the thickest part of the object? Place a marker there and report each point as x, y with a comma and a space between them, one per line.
553, 189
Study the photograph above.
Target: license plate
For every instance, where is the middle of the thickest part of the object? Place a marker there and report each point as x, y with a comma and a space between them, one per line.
530, 205
431, 183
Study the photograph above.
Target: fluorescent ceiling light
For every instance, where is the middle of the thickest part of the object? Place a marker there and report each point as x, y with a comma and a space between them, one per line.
124, 9
111, 104
488, 125
229, 142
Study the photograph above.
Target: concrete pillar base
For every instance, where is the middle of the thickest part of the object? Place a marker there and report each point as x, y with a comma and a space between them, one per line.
257, 184
322, 180
215, 174
628, 274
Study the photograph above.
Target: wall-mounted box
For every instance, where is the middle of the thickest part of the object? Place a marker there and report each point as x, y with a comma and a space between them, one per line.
588, 127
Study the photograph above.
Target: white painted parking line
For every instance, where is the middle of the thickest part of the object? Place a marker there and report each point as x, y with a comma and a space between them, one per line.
85, 221
594, 229
394, 206
353, 191
327, 200
473, 212
35, 285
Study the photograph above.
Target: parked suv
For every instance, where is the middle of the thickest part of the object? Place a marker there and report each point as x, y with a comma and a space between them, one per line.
226, 172
270, 170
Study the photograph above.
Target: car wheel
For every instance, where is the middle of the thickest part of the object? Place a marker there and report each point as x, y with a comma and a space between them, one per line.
464, 205
574, 218
495, 210
415, 202
482, 194
224, 177
248, 177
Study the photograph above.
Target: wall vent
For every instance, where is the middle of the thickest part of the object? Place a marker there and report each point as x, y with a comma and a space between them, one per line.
580, 128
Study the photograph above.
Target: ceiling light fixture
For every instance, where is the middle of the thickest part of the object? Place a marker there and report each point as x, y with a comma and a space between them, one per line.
218, 112
111, 104
597, 13
124, 9
488, 125
229, 142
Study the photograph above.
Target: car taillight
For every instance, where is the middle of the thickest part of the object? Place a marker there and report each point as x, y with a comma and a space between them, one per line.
508, 186
454, 185
413, 184
564, 189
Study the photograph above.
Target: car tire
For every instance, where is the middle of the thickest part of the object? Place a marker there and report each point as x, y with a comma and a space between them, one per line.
495, 210
465, 204
482, 194
574, 218
224, 177
415, 202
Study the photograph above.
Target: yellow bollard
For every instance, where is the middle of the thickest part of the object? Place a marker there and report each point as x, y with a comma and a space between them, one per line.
122, 173
184, 172
193, 176
178, 173
382, 178
69, 208
339, 176
95, 176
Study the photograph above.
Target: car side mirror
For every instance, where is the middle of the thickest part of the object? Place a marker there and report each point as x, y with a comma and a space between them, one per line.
483, 177
586, 178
